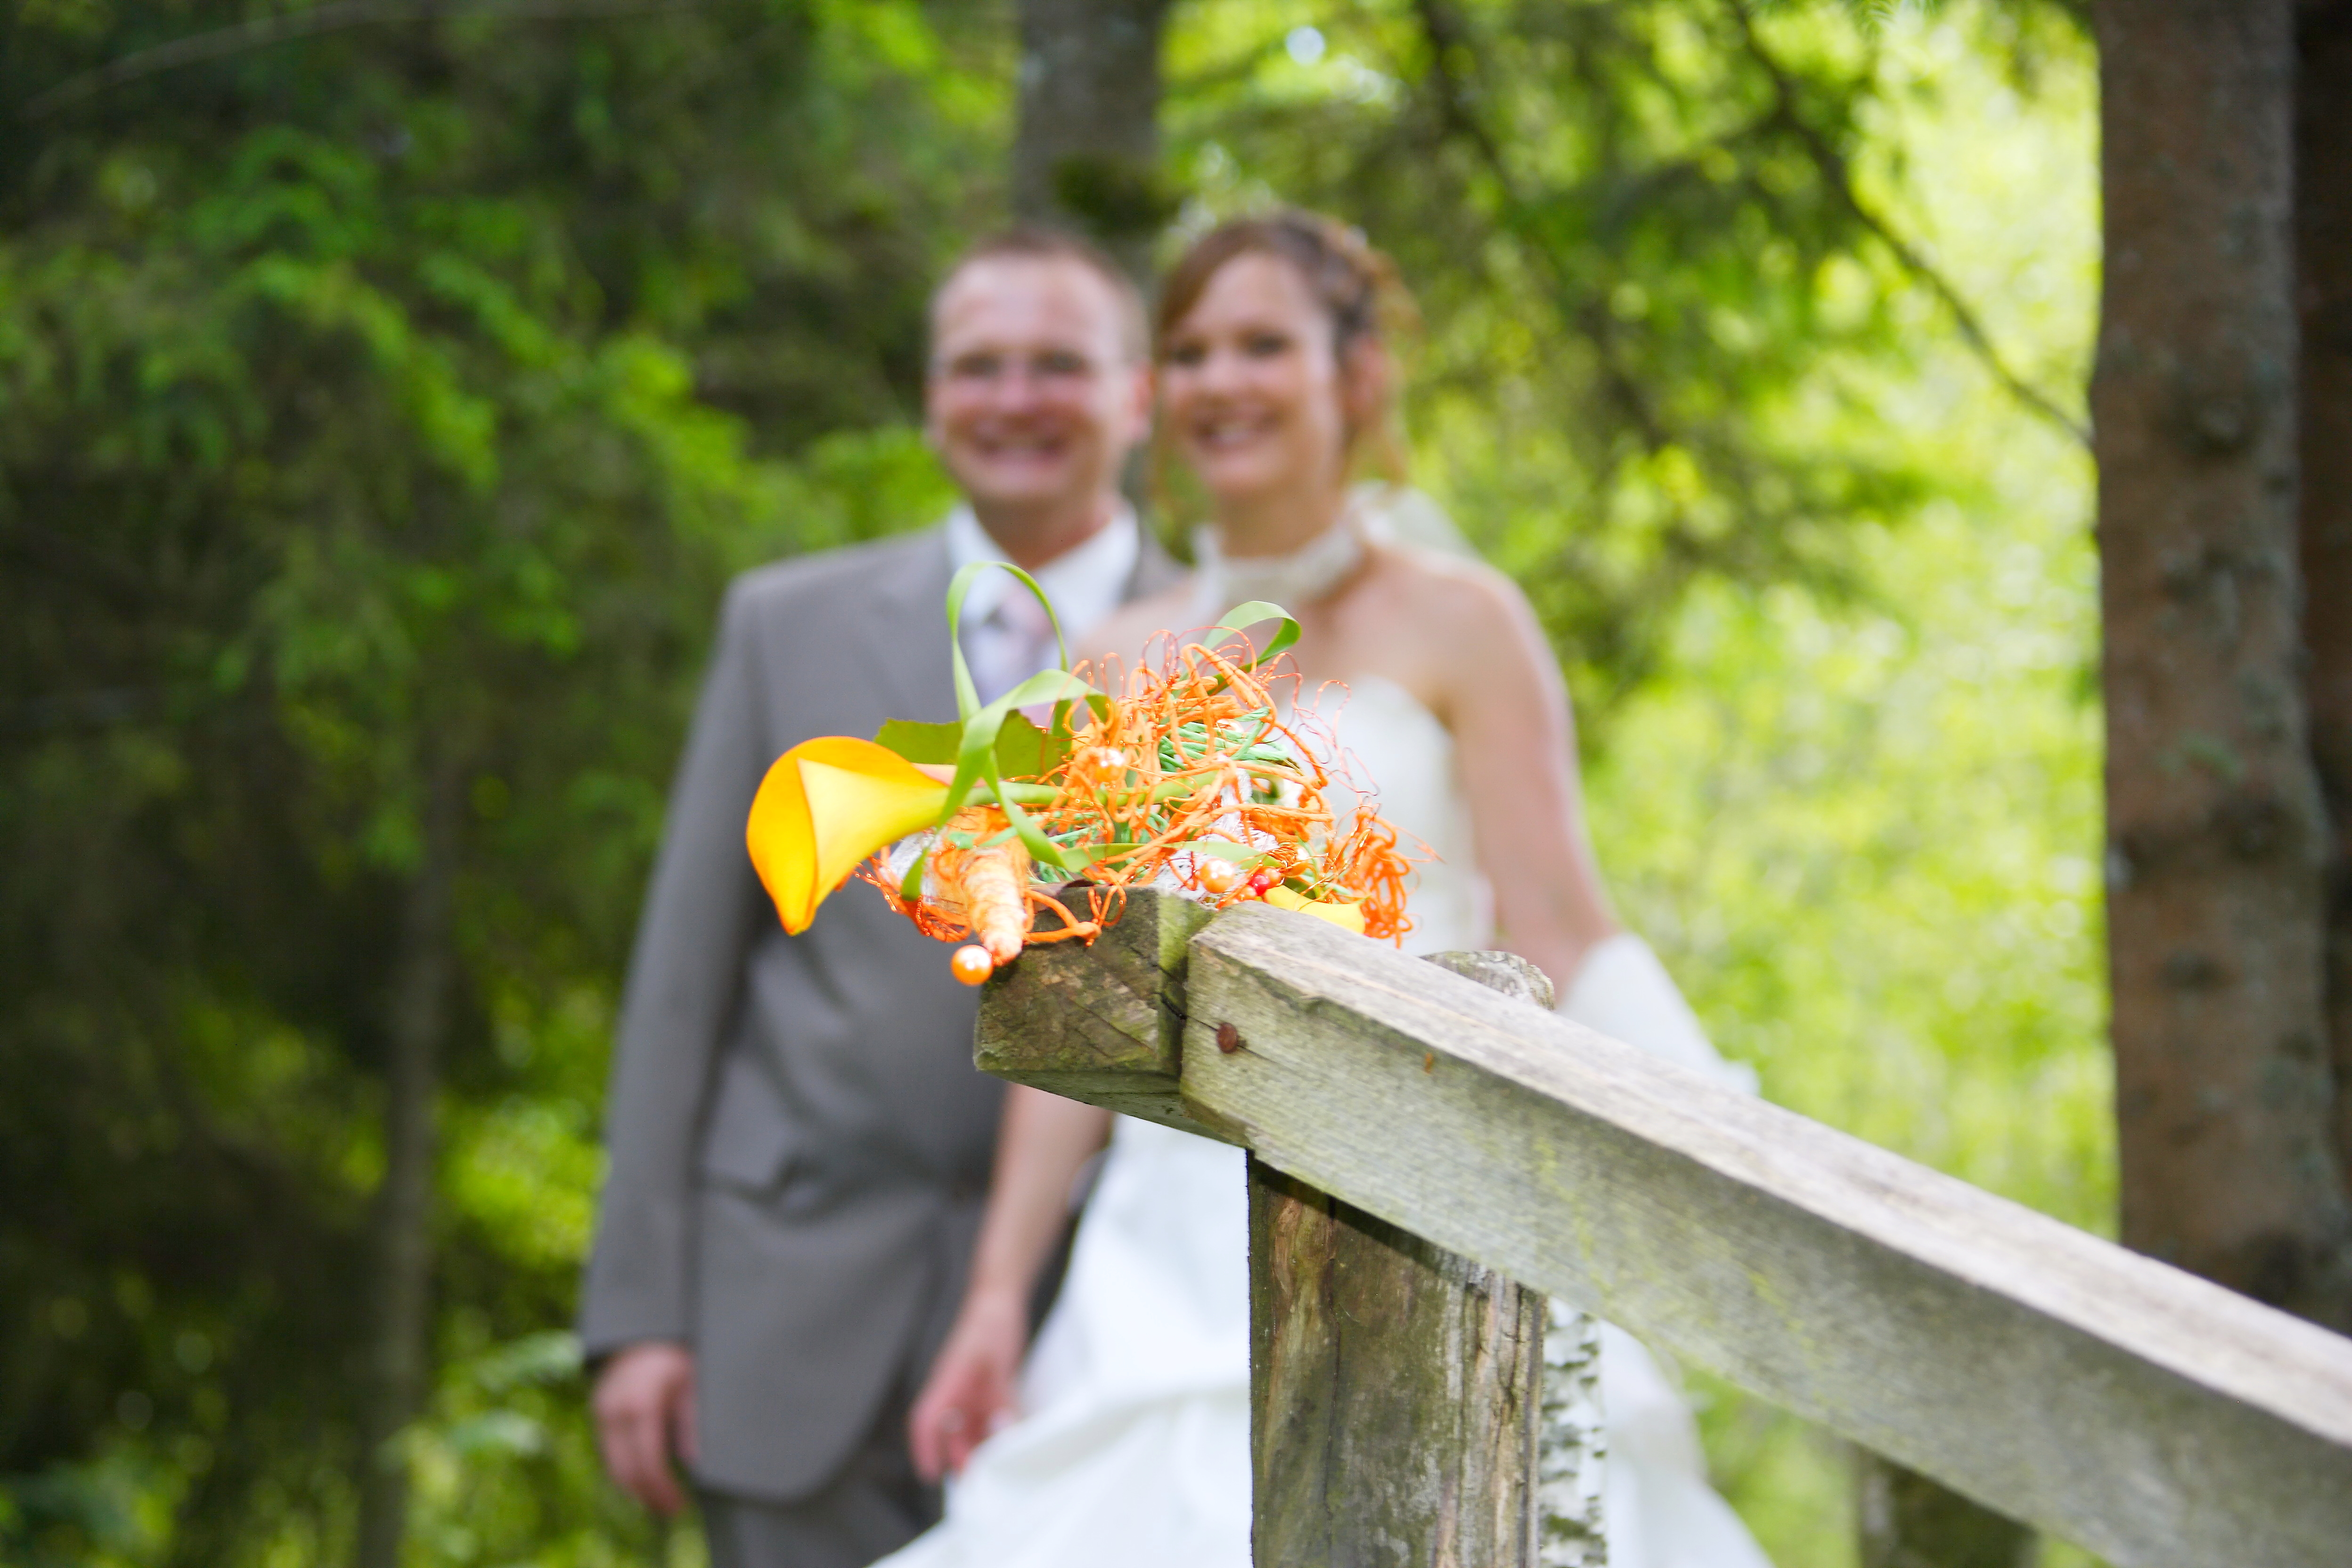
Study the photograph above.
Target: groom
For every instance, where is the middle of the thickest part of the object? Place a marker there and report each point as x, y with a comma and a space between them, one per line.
799, 1142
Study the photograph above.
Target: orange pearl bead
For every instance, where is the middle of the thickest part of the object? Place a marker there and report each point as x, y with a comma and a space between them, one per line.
972, 964
1102, 764
1218, 876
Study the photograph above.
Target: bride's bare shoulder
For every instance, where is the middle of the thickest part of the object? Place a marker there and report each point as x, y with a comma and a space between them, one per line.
1442, 589
1460, 626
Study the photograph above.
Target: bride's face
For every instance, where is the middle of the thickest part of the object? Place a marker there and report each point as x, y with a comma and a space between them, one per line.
1252, 395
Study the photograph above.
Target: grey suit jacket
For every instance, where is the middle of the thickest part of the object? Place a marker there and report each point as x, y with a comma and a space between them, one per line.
799, 1142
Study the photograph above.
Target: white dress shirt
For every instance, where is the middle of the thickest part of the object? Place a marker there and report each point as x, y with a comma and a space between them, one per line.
1007, 639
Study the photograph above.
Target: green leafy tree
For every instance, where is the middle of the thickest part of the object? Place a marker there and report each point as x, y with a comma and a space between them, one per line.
1655, 277
381, 407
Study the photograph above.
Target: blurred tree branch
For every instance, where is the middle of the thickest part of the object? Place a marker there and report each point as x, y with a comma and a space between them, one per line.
220, 43
1839, 176
1637, 402
1450, 49
1450, 53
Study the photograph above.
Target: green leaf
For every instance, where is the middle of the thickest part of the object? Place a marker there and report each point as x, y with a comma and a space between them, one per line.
932, 744
1227, 850
1023, 750
1032, 837
976, 750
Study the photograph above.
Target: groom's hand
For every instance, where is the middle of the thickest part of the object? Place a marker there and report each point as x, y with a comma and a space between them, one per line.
970, 1393
644, 1414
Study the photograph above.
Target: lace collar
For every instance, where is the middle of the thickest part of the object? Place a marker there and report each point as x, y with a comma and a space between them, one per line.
1301, 577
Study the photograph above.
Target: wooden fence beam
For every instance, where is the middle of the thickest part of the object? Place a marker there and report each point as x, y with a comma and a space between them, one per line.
1104, 1024
2114, 1401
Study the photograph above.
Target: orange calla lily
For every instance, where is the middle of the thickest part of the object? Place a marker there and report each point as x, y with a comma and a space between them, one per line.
824, 807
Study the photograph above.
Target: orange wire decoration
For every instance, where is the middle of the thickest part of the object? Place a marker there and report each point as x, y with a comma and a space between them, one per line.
1189, 776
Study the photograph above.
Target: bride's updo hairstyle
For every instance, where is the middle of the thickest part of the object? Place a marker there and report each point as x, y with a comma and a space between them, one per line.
1357, 287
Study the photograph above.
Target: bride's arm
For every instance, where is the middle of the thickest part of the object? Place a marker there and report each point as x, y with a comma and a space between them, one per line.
1511, 720
1508, 709
1044, 1142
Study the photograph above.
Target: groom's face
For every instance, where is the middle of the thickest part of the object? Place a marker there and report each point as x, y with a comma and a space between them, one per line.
1034, 396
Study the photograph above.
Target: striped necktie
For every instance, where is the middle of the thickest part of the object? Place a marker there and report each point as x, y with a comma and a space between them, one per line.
1013, 642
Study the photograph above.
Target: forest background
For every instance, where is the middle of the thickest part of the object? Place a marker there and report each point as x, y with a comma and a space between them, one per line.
386, 391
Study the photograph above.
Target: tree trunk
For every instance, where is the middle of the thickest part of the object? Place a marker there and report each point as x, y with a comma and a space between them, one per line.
1571, 1445
1088, 152
2323, 208
398, 1357
2216, 837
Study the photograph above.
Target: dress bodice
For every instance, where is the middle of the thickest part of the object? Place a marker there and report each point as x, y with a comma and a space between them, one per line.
1387, 740
1392, 744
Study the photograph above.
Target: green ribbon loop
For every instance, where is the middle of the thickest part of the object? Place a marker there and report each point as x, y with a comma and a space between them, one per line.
1244, 615
958, 587
976, 754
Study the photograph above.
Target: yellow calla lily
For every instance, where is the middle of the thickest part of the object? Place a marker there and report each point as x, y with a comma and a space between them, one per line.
1347, 917
825, 806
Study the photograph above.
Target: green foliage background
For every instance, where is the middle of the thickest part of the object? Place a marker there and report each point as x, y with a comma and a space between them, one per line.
380, 411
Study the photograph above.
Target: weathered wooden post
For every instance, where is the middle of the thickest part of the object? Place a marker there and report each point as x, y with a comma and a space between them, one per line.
1395, 1387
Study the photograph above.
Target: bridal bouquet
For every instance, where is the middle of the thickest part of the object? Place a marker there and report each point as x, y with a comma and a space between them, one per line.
1187, 778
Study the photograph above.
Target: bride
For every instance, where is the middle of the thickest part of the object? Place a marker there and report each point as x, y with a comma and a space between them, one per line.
1125, 1436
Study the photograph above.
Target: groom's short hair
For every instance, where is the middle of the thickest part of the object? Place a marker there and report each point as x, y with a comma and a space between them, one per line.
1037, 242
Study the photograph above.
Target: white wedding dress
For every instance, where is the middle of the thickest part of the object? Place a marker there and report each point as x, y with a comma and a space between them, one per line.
1132, 1446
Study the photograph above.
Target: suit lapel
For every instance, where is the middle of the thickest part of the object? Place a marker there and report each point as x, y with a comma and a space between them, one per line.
905, 639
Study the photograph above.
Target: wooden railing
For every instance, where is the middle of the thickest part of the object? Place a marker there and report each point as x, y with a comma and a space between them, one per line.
1421, 1142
